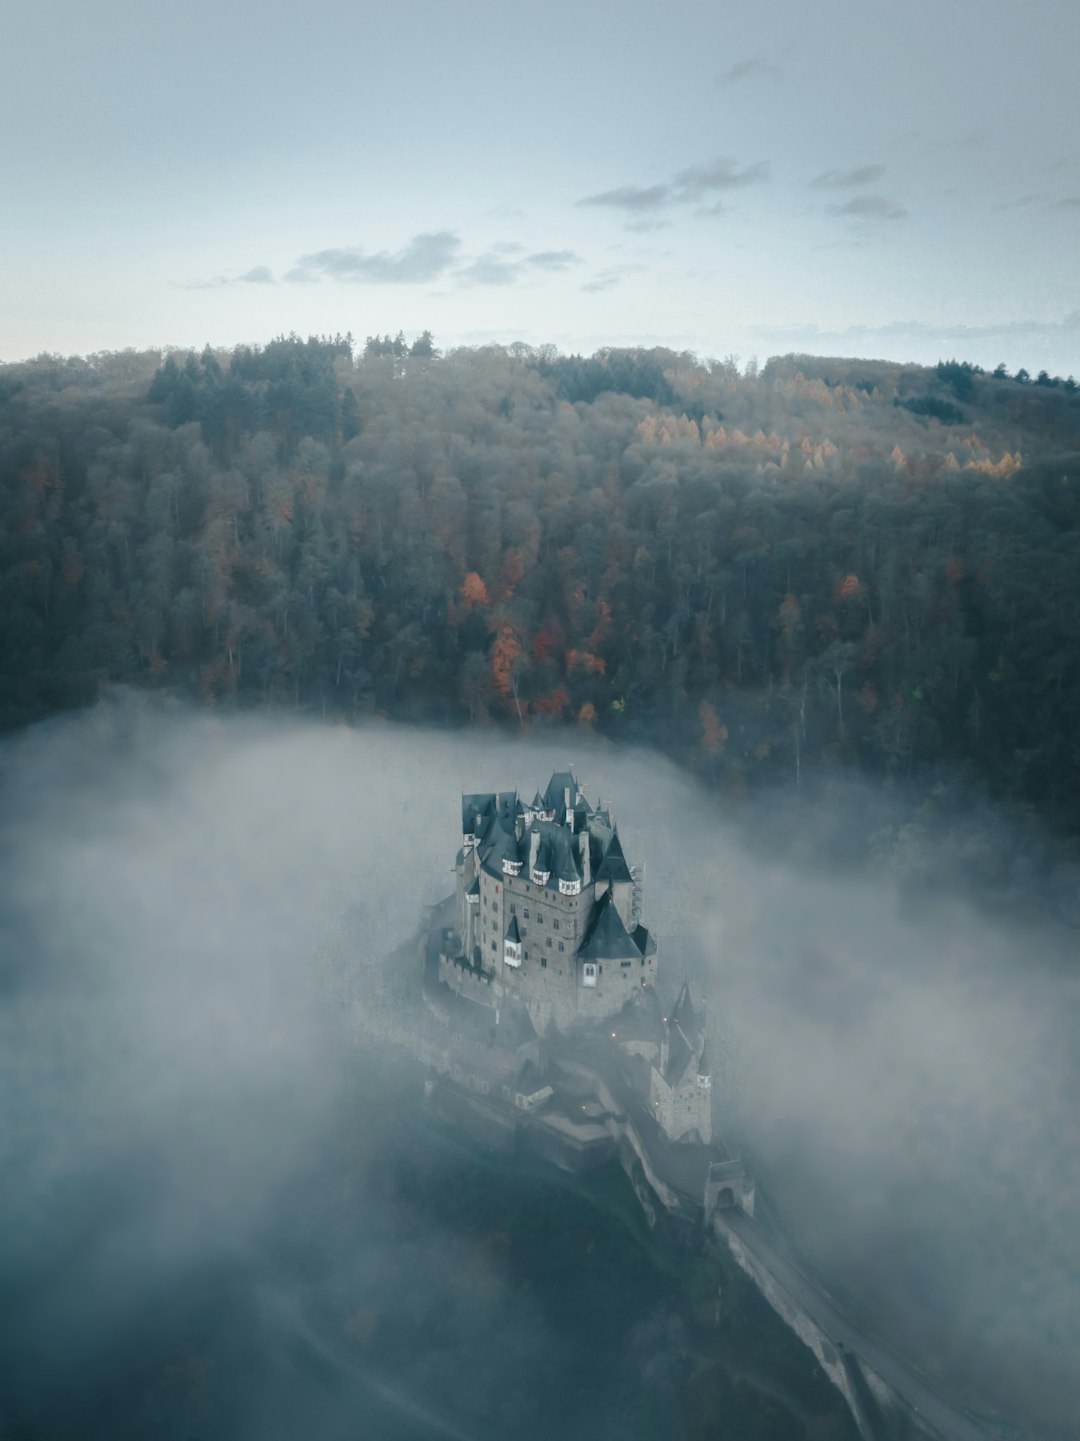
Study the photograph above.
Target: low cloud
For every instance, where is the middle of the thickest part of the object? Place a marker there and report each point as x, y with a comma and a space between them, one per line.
754, 68
645, 225
633, 198
257, 275
698, 181
643, 204
848, 179
553, 259
493, 269
868, 208
192, 904
1036, 344
425, 258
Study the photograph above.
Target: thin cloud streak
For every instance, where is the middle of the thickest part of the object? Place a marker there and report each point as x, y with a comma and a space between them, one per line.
492, 269
868, 208
753, 68
687, 187
848, 179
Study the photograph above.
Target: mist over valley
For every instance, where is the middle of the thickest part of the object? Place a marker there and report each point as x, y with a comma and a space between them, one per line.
203, 922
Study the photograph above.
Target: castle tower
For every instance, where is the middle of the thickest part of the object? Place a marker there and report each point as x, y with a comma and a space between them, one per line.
680, 1087
545, 908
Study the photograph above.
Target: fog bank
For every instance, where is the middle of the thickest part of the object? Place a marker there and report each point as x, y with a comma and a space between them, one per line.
190, 906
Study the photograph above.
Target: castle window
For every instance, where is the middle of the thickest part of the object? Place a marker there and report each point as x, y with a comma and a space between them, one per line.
543, 962
548, 943
525, 913
555, 924
561, 946
540, 917
493, 945
624, 964
513, 908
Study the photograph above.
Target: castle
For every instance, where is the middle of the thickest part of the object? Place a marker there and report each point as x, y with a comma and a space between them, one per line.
542, 1030
549, 929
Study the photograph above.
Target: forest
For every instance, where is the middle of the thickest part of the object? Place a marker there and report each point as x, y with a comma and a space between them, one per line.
767, 573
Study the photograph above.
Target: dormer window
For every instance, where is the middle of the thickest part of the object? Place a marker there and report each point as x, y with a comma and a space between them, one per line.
588, 974
569, 888
540, 878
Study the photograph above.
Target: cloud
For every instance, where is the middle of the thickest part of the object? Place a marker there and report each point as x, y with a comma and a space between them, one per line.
698, 181
492, 269
423, 259
489, 270
608, 282
633, 198
868, 208
643, 226
553, 259
1036, 344
643, 204
754, 67
1070, 202
257, 275
848, 179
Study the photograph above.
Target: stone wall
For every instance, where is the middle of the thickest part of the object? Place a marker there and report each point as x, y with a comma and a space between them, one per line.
685, 1109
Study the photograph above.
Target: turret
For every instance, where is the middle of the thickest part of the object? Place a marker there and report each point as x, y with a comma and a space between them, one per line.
512, 946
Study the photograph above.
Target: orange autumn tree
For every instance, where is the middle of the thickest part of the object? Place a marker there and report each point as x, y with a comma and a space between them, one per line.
505, 652
473, 590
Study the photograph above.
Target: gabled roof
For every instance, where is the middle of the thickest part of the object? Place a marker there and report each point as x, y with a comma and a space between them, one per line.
512, 932
606, 937
613, 867
558, 785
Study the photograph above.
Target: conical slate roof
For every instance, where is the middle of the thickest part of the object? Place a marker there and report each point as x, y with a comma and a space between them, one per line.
685, 1017
606, 937
512, 932
613, 867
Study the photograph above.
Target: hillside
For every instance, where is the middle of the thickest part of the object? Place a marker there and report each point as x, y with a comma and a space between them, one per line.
827, 562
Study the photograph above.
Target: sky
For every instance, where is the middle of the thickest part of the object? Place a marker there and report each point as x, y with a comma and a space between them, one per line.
851, 177
182, 894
